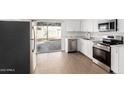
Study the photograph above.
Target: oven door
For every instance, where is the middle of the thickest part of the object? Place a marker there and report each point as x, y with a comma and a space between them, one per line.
102, 56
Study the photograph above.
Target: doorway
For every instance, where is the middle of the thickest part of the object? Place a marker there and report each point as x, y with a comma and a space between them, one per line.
48, 36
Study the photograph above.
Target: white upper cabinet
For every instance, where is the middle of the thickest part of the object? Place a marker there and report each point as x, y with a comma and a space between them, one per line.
83, 25
73, 25
89, 25
86, 25
95, 25
121, 25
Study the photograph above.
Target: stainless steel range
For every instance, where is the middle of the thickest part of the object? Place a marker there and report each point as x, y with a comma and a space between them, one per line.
102, 51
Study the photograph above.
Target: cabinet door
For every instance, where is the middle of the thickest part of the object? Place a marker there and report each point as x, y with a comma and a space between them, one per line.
79, 45
121, 60
83, 25
72, 25
84, 47
114, 59
90, 49
121, 25
95, 25
90, 25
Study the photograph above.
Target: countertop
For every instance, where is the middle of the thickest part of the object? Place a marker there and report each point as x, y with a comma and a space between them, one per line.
93, 40
120, 45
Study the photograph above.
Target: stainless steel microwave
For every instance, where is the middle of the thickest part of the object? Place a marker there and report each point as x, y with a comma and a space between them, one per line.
110, 25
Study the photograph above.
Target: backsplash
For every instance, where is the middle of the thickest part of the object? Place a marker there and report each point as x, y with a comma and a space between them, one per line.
98, 36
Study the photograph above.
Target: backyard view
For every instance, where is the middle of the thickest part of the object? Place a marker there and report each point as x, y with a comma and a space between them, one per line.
48, 37
48, 33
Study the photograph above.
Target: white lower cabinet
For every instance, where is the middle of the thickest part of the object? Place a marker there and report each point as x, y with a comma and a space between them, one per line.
85, 47
117, 59
121, 60
90, 49
114, 59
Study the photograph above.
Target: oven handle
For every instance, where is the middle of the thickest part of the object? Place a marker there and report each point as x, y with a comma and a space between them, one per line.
107, 50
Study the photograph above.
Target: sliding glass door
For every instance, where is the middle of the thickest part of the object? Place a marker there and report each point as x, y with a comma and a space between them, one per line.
48, 37
54, 32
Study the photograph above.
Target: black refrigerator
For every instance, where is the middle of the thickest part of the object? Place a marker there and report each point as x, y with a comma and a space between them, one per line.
14, 47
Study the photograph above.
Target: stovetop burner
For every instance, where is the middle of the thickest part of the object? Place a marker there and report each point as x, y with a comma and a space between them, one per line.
108, 44
105, 44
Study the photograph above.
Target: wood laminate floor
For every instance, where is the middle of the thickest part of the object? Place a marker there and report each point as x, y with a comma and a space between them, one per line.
66, 63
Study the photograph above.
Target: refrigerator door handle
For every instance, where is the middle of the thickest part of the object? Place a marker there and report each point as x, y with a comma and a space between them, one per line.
33, 32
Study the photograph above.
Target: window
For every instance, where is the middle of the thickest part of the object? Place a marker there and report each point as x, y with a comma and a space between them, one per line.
48, 31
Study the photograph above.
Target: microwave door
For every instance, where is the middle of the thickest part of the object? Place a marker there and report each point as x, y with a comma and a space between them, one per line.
103, 26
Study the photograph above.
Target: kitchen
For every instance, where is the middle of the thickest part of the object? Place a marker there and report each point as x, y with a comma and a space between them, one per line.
88, 46
93, 36
77, 30
82, 35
